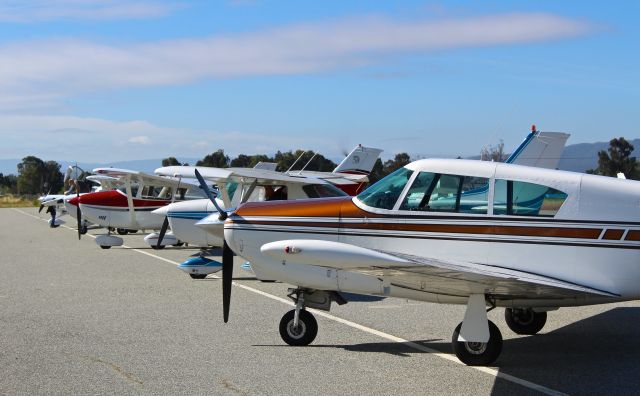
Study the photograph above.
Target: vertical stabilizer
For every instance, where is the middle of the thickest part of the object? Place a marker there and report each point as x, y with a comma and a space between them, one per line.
361, 160
540, 149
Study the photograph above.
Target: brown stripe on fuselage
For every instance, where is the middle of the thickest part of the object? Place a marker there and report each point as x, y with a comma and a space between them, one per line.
613, 234
344, 208
633, 235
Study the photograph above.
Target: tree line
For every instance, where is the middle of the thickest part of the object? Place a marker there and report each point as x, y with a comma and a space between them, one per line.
36, 176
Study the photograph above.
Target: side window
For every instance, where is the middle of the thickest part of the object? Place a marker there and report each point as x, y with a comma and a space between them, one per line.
447, 193
475, 195
526, 199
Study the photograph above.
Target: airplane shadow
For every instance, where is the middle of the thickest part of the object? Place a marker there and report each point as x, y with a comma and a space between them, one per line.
597, 355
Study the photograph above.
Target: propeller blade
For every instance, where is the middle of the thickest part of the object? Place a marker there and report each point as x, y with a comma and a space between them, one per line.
212, 197
227, 278
79, 216
163, 230
40, 208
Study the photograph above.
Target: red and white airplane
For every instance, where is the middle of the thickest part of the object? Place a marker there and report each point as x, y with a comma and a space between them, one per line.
480, 234
131, 206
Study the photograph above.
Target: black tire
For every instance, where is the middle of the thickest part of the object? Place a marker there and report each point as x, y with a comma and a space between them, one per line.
478, 353
122, 231
525, 321
105, 247
306, 332
132, 231
198, 276
156, 247
84, 229
180, 243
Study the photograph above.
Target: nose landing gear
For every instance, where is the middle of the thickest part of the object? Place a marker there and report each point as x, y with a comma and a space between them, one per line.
298, 327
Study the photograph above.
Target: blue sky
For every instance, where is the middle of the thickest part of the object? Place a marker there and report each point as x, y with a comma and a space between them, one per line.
110, 80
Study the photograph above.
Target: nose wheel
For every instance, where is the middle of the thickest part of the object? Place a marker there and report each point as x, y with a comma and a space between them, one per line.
525, 320
298, 327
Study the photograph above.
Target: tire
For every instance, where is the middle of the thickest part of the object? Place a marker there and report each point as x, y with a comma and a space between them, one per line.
122, 231
478, 353
308, 328
198, 276
105, 247
525, 321
84, 229
179, 244
155, 247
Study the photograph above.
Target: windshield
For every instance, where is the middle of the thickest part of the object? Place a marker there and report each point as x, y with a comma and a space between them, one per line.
386, 192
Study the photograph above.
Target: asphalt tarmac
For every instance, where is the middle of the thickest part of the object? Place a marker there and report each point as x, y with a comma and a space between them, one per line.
76, 319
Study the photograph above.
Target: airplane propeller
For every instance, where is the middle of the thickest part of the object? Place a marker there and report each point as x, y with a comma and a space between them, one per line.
40, 208
163, 230
79, 215
227, 253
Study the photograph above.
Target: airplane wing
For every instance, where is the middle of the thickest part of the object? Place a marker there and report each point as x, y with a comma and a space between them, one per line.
429, 275
147, 179
240, 175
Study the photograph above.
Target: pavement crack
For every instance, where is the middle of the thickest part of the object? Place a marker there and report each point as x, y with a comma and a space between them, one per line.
129, 376
228, 385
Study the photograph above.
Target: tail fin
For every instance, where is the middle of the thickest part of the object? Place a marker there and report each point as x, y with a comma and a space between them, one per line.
540, 149
361, 160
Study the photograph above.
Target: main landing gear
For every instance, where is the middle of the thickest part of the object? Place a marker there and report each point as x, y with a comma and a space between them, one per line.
525, 320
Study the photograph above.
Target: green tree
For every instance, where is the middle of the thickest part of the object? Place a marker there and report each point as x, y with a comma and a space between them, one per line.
617, 159
249, 161
170, 161
53, 178
377, 172
8, 183
400, 160
493, 153
31, 175
316, 161
216, 159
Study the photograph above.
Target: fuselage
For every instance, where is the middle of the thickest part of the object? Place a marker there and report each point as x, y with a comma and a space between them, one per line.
111, 209
583, 229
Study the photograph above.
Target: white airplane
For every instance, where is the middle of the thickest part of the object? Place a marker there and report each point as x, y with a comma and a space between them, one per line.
538, 240
238, 185
540, 149
57, 204
130, 207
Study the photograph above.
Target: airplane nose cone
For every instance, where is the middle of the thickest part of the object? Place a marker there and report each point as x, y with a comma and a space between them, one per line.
74, 201
161, 211
213, 225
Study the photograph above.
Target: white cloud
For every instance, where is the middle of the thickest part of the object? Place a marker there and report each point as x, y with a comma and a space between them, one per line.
28, 11
139, 139
60, 68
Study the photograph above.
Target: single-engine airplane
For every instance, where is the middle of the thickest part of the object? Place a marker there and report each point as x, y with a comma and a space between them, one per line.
130, 207
482, 234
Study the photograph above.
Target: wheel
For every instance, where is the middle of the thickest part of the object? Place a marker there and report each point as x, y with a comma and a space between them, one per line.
105, 247
304, 334
156, 247
525, 321
132, 231
478, 353
180, 243
198, 276
122, 231
84, 229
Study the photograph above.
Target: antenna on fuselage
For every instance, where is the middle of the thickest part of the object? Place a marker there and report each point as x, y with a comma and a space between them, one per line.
295, 162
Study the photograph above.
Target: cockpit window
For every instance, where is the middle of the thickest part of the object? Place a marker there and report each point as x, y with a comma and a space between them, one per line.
526, 199
436, 192
322, 191
386, 192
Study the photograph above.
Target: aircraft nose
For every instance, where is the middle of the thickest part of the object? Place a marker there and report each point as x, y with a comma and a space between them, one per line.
161, 211
74, 201
213, 225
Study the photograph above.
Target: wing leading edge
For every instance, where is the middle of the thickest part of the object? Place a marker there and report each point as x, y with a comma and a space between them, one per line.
430, 275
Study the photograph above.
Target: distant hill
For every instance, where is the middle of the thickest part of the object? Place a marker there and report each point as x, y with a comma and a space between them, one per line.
583, 156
